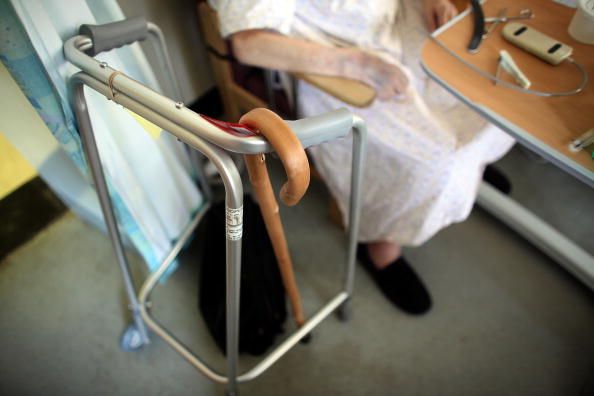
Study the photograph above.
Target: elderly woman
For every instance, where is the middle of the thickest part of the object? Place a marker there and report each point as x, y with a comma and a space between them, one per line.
426, 152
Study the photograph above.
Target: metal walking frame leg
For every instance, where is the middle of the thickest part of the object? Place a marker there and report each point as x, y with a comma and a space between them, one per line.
358, 160
94, 161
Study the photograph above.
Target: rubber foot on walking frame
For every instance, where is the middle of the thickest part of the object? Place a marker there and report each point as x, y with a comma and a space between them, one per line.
306, 338
131, 339
344, 312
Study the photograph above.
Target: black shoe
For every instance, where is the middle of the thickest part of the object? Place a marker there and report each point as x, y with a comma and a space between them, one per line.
399, 283
494, 177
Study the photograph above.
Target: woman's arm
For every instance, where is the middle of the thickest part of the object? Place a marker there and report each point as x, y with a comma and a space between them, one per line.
271, 50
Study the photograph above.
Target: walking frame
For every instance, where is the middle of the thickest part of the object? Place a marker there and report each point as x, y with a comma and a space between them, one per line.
208, 139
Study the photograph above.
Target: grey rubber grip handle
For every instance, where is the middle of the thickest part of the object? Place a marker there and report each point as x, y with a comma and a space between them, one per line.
114, 35
318, 129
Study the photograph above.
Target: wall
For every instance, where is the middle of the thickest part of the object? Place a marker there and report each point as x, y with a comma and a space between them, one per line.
179, 22
15, 170
25, 130
27, 147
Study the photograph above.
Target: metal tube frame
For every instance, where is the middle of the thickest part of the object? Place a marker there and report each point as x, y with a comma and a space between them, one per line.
202, 136
94, 162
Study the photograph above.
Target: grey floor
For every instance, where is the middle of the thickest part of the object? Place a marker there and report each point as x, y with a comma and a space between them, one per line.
506, 321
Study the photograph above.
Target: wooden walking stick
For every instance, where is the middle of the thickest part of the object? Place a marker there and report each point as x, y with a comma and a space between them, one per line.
294, 160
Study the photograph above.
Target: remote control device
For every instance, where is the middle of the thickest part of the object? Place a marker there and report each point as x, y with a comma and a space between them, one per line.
538, 44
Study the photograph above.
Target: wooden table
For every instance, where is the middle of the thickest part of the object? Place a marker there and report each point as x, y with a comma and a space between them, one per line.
546, 125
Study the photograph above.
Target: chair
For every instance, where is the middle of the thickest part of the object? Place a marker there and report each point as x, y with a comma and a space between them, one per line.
242, 88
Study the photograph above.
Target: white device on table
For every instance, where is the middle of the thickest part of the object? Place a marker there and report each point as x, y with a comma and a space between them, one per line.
534, 42
582, 142
538, 44
509, 65
581, 27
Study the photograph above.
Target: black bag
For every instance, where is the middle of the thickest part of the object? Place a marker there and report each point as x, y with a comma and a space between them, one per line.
263, 305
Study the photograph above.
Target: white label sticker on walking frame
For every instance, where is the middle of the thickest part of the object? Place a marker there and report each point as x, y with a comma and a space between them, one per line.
234, 220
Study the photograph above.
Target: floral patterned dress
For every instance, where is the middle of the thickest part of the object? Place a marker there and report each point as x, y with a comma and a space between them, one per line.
426, 154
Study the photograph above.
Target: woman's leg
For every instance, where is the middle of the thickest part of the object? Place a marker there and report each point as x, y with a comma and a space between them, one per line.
383, 253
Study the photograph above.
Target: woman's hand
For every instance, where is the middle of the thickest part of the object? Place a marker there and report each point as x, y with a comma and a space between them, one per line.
387, 79
438, 12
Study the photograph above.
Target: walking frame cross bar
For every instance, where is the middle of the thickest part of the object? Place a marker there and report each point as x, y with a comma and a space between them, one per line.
201, 135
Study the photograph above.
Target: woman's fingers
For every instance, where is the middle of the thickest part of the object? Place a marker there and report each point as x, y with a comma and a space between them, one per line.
438, 13
386, 78
452, 13
447, 12
442, 16
401, 85
386, 94
391, 85
430, 20
395, 82
390, 90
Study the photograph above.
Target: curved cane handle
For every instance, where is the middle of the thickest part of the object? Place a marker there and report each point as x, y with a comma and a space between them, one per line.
289, 149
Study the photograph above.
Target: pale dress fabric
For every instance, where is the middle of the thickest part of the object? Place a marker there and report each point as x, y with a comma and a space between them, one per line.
426, 154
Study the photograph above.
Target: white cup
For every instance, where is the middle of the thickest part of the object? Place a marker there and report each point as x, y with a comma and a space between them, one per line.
581, 27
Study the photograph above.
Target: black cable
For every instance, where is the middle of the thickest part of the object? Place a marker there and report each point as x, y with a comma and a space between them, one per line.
479, 26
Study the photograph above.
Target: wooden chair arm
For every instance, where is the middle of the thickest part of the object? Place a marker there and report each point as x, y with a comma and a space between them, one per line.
352, 92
